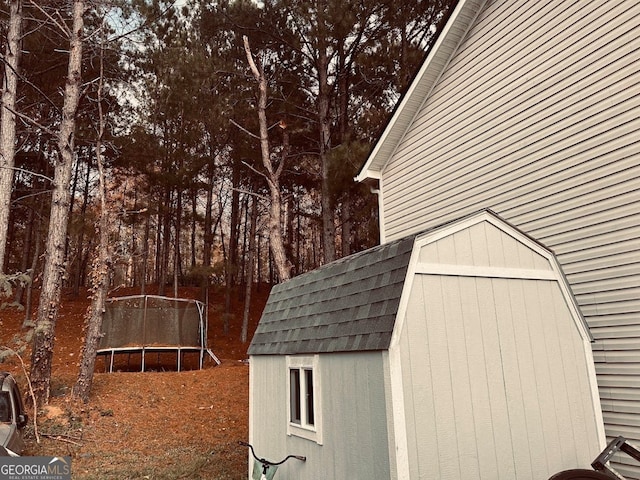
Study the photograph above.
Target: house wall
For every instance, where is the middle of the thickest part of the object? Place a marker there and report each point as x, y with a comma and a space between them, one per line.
497, 376
354, 422
537, 117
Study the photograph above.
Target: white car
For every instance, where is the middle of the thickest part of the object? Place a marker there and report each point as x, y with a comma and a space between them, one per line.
13, 417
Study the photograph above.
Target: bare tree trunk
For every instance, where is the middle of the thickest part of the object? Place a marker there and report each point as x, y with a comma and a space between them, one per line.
8, 120
324, 92
101, 267
145, 254
283, 266
28, 322
231, 262
54, 268
250, 267
345, 213
80, 257
176, 243
242, 275
164, 239
208, 221
27, 252
194, 226
158, 245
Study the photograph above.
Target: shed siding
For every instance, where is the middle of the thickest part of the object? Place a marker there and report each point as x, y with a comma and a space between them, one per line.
483, 245
354, 422
537, 116
268, 419
495, 409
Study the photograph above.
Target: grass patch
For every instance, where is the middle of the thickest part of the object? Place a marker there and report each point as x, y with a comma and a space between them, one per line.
172, 464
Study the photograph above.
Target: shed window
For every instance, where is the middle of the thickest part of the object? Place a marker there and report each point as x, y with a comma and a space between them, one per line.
303, 398
301, 403
308, 395
295, 413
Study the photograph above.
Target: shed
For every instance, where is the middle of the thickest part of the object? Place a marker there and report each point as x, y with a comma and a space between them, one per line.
531, 109
457, 352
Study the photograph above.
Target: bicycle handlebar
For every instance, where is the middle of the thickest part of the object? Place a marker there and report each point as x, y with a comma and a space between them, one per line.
269, 462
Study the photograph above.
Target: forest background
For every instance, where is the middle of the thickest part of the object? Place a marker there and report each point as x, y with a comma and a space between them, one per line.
190, 143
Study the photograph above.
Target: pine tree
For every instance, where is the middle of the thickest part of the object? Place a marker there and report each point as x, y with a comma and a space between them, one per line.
8, 120
54, 269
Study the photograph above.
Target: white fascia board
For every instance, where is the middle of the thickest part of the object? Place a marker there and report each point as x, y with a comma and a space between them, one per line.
401, 449
252, 376
381, 222
484, 271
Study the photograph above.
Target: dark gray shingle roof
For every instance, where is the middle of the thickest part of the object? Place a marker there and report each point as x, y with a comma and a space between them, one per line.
347, 305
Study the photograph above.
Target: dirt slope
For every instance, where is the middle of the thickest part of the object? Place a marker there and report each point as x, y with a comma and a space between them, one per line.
158, 424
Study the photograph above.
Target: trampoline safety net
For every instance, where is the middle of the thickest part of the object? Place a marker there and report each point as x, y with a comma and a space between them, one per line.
146, 322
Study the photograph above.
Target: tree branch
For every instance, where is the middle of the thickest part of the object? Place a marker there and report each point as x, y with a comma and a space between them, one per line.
19, 199
252, 63
254, 194
258, 172
23, 170
32, 121
62, 26
233, 122
28, 82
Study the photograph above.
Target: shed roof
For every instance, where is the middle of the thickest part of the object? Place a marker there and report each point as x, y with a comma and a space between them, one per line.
352, 304
347, 305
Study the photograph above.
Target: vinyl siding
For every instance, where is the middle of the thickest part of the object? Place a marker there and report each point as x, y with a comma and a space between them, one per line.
354, 422
537, 116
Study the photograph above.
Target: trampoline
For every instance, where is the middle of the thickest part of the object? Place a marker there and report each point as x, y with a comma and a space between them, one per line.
143, 324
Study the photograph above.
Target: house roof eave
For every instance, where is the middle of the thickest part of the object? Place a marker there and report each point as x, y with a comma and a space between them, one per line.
435, 63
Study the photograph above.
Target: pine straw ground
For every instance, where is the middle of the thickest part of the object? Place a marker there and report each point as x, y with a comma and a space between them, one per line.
159, 424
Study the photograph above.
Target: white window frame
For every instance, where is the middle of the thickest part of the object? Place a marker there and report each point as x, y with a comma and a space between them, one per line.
303, 429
